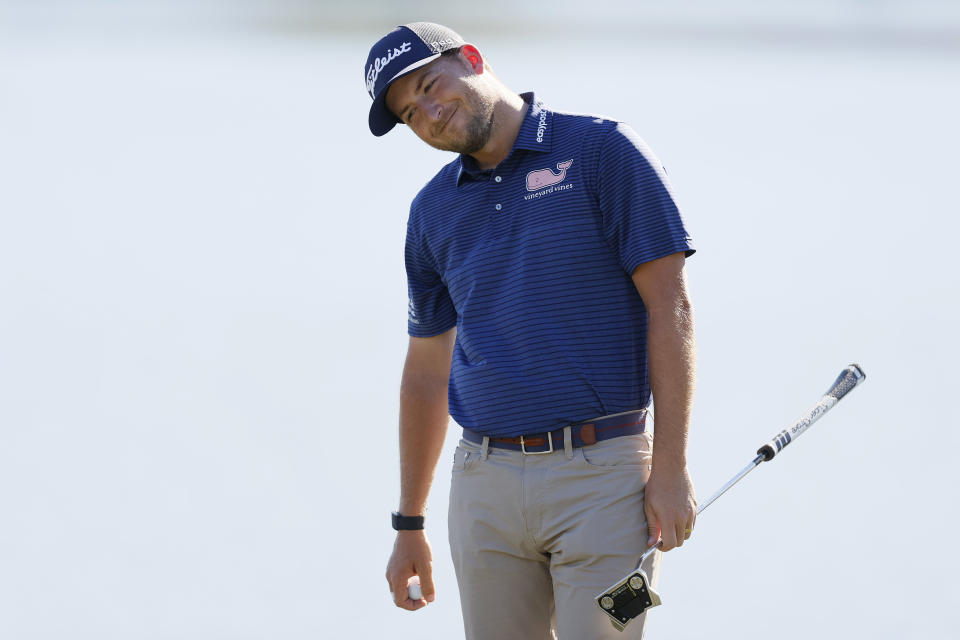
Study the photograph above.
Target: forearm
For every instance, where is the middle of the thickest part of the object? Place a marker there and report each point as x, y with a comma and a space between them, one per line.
671, 354
669, 501
423, 427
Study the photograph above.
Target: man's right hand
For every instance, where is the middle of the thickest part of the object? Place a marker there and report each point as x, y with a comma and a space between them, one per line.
411, 557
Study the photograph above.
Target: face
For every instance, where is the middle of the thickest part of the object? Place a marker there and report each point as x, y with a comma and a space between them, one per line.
446, 103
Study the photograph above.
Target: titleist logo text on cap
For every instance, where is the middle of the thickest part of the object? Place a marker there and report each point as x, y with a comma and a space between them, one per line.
374, 71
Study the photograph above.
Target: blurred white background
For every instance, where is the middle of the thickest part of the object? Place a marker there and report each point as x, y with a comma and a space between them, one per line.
202, 307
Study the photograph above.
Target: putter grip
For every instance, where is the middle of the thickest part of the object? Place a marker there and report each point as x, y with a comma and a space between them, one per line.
845, 382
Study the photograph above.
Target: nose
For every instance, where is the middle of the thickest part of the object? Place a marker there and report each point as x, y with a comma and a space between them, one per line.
431, 109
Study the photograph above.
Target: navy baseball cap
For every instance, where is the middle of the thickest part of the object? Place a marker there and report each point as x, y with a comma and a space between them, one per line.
405, 49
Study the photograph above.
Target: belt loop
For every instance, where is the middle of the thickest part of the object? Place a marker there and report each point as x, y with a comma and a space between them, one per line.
568, 442
484, 448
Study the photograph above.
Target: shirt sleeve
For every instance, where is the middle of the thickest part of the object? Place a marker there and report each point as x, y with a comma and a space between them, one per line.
641, 220
431, 311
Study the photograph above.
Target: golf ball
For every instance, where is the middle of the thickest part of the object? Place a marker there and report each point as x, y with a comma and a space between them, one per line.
413, 590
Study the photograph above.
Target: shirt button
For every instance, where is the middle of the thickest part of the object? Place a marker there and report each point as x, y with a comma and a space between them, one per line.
497, 179
498, 207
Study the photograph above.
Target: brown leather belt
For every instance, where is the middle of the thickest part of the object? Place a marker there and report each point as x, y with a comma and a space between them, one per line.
584, 433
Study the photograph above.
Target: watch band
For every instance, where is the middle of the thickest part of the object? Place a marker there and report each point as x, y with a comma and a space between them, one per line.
406, 523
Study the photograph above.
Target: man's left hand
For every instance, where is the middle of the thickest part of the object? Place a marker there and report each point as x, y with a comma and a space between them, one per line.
671, 508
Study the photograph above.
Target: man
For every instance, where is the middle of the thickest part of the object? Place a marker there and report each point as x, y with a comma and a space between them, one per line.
545, 269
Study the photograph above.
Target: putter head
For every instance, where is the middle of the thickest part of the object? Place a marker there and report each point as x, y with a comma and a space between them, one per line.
628, 598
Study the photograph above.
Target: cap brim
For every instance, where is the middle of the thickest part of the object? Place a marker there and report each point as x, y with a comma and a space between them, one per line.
381, 119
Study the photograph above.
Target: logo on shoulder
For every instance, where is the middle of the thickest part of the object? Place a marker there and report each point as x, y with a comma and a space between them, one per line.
412, 312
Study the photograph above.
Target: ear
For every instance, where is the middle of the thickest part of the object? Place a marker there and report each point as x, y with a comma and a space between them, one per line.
473, 57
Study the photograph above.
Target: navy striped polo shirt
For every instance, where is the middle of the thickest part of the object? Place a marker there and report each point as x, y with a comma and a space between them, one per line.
532, 263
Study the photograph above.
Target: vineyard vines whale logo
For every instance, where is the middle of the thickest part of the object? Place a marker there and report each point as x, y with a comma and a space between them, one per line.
373, 72
543, 178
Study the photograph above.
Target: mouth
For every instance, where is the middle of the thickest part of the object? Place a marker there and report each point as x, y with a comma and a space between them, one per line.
449, 118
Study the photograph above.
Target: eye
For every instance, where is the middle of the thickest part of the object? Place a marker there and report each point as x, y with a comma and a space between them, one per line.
430, 84
410, 114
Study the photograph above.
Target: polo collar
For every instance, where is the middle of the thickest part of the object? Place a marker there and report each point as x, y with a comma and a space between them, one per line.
536, 134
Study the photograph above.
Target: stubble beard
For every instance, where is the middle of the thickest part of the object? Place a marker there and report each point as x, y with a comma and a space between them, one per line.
479, 127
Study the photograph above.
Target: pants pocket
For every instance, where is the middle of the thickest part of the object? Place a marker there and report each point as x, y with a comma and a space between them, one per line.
626, 451
464, 456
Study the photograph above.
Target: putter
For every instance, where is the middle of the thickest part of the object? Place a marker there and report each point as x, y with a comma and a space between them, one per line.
631, 596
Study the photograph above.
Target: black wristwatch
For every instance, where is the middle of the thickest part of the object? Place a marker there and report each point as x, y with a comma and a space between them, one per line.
407, 523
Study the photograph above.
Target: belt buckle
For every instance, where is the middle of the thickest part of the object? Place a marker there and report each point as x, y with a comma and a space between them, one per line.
523, 446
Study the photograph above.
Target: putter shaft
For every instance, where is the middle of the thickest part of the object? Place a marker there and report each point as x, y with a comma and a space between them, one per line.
628, 598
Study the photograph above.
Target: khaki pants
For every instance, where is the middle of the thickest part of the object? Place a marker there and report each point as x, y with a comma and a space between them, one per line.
535, 538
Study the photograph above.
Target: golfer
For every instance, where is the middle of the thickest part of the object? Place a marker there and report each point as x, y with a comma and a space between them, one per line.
545, 267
